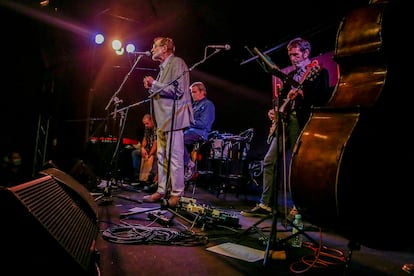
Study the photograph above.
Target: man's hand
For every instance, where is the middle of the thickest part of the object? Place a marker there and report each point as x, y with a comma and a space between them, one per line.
144, 153
294, 93
271, 114
148, 80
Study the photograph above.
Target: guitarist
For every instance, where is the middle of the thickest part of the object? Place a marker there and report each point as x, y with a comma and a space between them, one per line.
305, 86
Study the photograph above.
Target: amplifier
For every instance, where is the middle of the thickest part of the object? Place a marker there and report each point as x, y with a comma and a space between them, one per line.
48, 227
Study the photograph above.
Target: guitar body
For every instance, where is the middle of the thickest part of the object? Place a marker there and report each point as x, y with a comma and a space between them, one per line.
312, 70
344, 174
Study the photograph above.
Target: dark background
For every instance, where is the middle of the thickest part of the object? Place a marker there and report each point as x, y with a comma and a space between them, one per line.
52, 69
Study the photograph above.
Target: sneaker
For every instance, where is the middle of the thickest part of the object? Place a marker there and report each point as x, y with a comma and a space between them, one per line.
260, 210
189, 170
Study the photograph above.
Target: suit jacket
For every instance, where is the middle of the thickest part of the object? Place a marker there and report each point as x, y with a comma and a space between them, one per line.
172, 93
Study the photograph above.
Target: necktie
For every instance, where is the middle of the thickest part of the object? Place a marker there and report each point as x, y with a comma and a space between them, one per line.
159, 73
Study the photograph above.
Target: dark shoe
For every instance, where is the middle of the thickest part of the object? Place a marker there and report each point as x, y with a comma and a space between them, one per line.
151, 188
173, 201
258, 211
137, 184
155, 197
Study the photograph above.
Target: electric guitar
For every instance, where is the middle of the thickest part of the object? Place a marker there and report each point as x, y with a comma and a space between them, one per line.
312, 70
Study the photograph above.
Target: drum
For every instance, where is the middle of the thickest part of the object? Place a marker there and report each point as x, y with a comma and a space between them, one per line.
228, 154
238, 150
220, 149
146, 168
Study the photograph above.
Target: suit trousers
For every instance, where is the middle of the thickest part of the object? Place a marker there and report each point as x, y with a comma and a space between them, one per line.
170, 153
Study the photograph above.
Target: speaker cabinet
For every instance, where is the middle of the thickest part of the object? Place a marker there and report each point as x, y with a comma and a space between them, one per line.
49, 227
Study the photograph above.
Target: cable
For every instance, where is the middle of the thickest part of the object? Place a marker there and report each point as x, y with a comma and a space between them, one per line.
323, 257
138, 234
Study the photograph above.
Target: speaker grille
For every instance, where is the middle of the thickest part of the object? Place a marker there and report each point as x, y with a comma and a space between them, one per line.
77, 191
46, 222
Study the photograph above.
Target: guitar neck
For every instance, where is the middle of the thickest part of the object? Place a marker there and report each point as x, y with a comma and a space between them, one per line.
311, 69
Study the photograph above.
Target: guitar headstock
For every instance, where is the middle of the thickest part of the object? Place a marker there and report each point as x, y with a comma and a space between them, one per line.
312, 70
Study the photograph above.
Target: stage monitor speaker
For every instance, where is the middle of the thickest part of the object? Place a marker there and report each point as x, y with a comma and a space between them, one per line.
49, 227
77, 191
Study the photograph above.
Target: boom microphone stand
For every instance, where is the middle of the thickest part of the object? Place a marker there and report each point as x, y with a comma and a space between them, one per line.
122, 122
113, 179
113, 165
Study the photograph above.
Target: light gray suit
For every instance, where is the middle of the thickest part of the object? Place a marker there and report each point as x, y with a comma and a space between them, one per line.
170, 96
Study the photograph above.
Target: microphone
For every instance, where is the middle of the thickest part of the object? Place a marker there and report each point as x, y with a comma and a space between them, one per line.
225, 47
147, 53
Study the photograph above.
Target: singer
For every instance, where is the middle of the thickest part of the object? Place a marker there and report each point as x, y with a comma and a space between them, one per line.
172, 111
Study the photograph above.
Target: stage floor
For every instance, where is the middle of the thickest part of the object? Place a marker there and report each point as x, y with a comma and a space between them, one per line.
212, 246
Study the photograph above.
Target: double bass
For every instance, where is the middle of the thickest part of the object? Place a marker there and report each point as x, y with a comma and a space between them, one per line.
347, 172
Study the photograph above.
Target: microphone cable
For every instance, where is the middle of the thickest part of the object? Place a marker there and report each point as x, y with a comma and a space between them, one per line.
323, 257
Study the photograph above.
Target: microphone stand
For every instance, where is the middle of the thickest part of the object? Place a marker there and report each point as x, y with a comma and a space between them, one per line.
123, 82
113, 165
122, 123
107, 192
280, 133
132, 105
116, 101
274, 70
